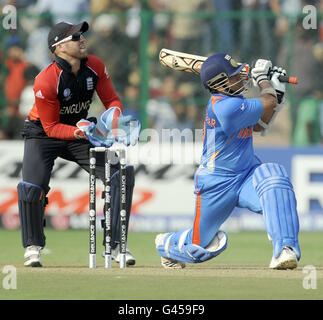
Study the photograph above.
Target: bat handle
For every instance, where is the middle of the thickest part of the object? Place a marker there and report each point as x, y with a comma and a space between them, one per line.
288, 79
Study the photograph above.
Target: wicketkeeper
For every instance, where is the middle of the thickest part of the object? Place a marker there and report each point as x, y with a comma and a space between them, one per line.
230, 174
57, 127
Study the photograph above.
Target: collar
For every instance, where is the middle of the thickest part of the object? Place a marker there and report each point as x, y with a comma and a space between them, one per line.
64, 65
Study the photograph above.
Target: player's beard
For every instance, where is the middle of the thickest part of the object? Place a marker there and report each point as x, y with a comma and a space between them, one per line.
79, 54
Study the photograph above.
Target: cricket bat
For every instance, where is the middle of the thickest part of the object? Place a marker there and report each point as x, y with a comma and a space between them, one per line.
192, 63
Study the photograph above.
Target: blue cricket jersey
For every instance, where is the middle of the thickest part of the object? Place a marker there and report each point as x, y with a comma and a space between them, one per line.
227, 136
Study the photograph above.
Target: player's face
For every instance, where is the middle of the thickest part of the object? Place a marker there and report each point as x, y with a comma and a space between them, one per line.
235, 82
75, 48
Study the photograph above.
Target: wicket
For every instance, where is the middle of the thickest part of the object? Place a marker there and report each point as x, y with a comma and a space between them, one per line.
107, 207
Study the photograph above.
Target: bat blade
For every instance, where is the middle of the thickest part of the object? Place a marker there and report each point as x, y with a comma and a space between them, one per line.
186, 62
181, 61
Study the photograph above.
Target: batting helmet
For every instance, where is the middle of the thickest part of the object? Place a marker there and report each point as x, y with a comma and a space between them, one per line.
217, 68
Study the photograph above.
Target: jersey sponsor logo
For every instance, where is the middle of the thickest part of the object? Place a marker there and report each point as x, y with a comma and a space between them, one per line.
39, 94
242, 107
75, 107
89, 83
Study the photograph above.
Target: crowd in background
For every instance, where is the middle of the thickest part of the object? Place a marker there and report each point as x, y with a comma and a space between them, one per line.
246, 29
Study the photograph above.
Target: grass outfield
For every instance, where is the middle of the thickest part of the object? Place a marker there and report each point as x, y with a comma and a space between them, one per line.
240, 272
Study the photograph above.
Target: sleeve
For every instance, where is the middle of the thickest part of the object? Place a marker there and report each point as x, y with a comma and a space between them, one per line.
237, 113
48, 111
104, 87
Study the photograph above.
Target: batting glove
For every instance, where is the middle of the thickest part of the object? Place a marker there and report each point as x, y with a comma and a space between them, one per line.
260, 71
280, 87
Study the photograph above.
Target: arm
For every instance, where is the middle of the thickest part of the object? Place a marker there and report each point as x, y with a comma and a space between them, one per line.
48, 108
269, 102
104, 87
268, 96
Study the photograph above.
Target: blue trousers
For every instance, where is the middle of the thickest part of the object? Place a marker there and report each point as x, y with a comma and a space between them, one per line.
216, 197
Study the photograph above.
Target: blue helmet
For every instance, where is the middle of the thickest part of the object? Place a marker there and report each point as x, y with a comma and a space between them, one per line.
217, 68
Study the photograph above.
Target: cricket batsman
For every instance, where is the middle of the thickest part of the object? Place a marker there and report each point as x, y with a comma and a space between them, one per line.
230, 174
57, 127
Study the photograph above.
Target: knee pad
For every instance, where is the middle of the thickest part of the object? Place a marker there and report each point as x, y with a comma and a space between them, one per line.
31, 202
174, 246
278, 202
115, 203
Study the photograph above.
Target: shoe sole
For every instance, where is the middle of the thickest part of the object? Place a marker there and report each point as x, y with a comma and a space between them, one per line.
168, 263
288, 264
33, 264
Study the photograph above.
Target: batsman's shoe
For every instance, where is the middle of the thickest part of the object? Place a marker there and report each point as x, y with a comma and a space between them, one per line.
167, 263
32, 257
130, 259
286, 260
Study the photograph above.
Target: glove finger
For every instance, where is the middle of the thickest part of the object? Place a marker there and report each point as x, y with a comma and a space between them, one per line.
124, 120
275, 68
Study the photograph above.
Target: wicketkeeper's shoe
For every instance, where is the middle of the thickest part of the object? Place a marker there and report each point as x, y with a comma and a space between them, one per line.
130, 259
32, 257
167, 263
286, 260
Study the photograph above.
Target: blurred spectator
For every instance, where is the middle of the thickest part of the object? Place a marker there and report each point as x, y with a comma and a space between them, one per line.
187, 31
109, 42
37, 52
15, 81
303, 65
182, 122
131, 101
223, 28
11, 127
318, 89
307, 130
160, 109
257, 38
27, 97
99, 6
72, 10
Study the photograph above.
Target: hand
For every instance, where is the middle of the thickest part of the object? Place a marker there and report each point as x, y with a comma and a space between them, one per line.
280, 87
260, 71
125, 129
87, 130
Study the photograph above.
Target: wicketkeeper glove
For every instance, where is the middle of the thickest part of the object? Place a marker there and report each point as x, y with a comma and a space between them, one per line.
280, 87
260, 71
88, 130
124, 129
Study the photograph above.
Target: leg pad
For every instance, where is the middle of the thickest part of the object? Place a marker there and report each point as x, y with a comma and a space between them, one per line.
32, 202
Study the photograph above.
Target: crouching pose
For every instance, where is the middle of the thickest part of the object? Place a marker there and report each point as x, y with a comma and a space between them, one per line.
230, 174
57, 127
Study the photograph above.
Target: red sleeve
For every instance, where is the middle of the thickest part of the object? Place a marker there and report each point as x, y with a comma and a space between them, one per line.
48, 108
104, 87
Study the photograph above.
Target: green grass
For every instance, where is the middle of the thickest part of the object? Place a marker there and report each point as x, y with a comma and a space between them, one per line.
240, 272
